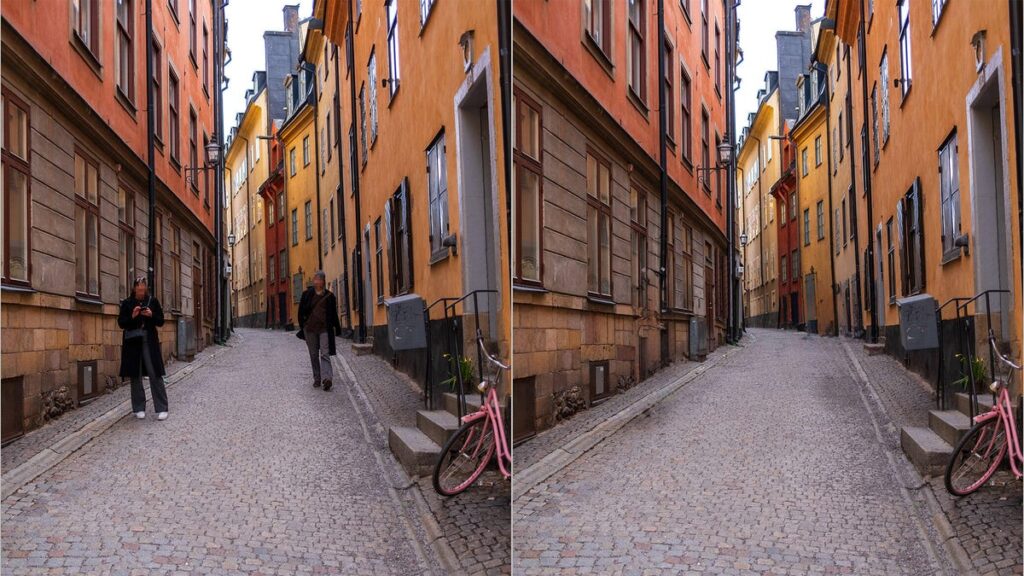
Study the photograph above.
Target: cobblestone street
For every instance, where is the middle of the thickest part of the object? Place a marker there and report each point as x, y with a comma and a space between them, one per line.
255, 472
770, 462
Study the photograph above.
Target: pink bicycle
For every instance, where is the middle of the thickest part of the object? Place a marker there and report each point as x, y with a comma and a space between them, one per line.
481, 436
993, 436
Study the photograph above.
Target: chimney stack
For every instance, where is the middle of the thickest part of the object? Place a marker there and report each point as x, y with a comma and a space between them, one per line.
803, 18
291, 17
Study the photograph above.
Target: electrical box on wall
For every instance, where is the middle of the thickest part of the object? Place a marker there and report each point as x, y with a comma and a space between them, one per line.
918, 328
406, 327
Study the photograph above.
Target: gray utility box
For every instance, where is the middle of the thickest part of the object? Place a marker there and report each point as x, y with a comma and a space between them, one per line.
918, 327
406, 328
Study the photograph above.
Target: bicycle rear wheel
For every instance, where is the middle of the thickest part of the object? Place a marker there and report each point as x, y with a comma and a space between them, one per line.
464, 457
976, 457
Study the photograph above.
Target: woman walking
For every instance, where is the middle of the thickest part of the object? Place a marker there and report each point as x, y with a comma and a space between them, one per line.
140, 316
318, 323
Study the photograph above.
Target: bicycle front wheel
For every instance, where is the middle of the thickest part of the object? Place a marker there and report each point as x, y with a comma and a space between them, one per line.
976, 457
464, 457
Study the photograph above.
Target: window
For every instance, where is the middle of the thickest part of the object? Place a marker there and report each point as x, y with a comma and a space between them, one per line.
174, 298
843, 223
173, 118
158, 103
821, 219
817, 151
334, 240
807, 226
599, 226
425, 7
85, 16
937, 7
686, 135
792, 206
908, 214
126, 226
17, 201
839, 143
528, 214
124, 55
600, 387
670, 260
905, 58
270, 212
396, 222
598, 21
87, 226
173, 5
308, 213
718, 175
803, 162
295, 226
794, 261
88, 380
437, 178
718, 60
305, 151
280, 206
704, 31
206, 176
158, 257
949, 178
379, 260
638, 223
323, 226
362, 122
784, 267
193, 149
883, 81
686, 273
206, 60
371, 75
705, 148
193, 39
891, 258
874, 121
393, 62
836, 226
291, 162
282, 261
636, 69
670, 95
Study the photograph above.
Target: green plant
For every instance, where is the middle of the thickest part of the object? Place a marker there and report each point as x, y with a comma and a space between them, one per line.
465, 365
977, 367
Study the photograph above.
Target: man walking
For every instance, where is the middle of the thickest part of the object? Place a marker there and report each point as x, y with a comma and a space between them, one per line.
318, 324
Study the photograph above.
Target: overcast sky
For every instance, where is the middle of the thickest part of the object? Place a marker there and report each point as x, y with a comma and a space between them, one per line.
247, 20
759, 20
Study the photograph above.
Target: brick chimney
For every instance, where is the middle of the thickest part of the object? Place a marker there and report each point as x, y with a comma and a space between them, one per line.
291, 17
803, 18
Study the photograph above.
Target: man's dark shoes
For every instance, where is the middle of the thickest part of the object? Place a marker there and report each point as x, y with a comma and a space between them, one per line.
316, 383
327, 384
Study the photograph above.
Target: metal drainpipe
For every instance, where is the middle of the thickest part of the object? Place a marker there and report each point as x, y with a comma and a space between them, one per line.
504, 79
730, 187
854, 221
663, 144
223, 302
870, 272
341, 192
1015, 59
361, 333
310, 68
828, 166
150, 145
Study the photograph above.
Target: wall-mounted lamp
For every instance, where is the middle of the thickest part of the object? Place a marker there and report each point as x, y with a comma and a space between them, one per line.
466, 43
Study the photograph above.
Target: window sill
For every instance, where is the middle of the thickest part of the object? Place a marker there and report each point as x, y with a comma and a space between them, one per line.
90, 300
600, 299
125, 102
528, 288
87, 54
637, 102
603, 60
439, 255
952, 255
17, 288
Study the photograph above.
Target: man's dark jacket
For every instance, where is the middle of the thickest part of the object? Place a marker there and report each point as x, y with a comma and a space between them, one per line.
333, 325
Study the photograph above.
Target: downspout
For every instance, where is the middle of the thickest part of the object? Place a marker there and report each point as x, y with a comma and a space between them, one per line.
663, 155
828, 166
870, 272
731, 334
1015, 60
853, 186
150, 145
504, 79
739, 288
361, 333
308, 67
341, 195
223, 304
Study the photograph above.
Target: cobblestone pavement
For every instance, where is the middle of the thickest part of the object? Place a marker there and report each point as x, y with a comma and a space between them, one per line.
255, 472
988, 522
37, 440
476, 523
768, 463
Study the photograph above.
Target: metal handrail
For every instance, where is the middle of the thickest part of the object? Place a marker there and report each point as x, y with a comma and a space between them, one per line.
962, 308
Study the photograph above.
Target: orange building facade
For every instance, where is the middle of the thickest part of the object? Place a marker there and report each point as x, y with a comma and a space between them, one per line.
75, 192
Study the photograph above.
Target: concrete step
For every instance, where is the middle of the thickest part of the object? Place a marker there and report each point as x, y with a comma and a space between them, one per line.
416, 452
438, 425
362, 349
950, 425
926, 450
451, 402
962, 402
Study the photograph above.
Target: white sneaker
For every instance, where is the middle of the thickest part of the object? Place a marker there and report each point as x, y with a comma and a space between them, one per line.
161, 416
140, 415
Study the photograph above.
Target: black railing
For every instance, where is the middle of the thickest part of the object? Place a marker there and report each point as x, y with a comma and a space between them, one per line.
454, 345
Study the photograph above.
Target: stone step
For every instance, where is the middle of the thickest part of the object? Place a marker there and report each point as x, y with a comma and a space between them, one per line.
451, 402
928, 452
962, 401
362, 349
438, 425
416, 452
950, 425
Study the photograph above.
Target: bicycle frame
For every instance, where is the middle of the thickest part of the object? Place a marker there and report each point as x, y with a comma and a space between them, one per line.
491, 410
1003, 409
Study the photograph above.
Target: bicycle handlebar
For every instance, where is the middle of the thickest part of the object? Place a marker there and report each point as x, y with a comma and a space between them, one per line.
995, 350
491, 359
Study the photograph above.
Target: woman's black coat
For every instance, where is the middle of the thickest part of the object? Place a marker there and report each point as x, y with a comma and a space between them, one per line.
331, 308
131, 350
